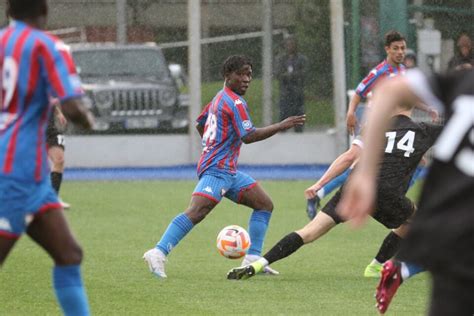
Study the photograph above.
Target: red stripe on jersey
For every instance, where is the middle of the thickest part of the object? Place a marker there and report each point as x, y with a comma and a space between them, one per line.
33, 77
52, 72
231, 115
13, 108
40, 143
225, 131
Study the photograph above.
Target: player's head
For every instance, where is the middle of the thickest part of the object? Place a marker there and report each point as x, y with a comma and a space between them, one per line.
33, 11
410, 60
464, 44
237, 72
395, 46
291, 45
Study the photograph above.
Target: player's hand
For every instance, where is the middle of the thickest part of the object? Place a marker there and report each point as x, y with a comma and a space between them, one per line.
434, 115
358, 199
310, 193
351, 121
292, 121
61, 119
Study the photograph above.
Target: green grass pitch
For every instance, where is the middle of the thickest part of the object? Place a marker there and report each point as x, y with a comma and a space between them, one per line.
116, 222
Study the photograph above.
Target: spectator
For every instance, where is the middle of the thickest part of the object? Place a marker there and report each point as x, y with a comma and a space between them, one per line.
290, 71
410, 60
464, 53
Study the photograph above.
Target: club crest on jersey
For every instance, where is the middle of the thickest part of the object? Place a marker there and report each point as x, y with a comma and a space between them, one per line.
247, 124
238, 102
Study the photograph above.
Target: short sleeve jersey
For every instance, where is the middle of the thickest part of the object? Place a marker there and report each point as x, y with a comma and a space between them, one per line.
35, 66
382, 70
405, 144
226, 121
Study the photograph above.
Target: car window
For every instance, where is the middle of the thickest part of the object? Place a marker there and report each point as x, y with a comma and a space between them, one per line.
138, 62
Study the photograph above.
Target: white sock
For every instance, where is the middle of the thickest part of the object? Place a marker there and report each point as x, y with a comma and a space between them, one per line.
404, 271
320, 193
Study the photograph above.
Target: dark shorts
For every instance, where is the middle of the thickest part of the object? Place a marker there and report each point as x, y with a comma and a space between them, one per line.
451, 296
391, 210
54, 137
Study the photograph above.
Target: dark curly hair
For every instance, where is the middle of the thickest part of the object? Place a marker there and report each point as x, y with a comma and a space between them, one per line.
24, 9
234, 63
393, 36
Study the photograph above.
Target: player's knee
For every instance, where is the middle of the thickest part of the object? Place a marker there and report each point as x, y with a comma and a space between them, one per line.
72, 256
197, 213
268, 205
58, 162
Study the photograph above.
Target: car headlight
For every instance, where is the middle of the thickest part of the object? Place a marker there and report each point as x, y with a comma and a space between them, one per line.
103, 101
167, 97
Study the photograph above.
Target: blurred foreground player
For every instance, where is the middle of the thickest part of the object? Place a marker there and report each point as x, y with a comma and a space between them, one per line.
36, 66
441, 237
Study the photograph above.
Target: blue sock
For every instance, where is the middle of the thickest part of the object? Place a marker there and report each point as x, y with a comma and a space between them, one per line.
413, 269
336, 182
69, 290
177, 229
258, 225
415, 176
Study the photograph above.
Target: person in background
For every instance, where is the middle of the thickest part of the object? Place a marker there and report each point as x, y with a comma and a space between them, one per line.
464, 52
290, 69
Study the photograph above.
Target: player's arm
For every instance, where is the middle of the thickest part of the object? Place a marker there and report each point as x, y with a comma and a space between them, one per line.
430, 111
262, 133
351, 119
77, 112
202, 118
359, 194
338, 166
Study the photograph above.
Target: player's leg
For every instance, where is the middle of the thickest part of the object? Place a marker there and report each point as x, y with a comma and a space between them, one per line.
56, 155
312, 205
51, 231
393, 240
206, 196
55, 142
318, 227
387, 250
6, 245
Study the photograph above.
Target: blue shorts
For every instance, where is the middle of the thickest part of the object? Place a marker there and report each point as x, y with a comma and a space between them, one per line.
215, 185
20, 201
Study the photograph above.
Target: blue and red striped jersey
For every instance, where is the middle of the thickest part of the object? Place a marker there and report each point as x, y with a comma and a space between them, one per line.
226, 120
35, 66
382, 70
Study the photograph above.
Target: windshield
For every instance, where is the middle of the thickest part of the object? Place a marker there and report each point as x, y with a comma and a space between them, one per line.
112, 62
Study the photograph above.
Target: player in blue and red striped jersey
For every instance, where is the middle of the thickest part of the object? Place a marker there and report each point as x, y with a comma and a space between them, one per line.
34, 67
392, 65
224, 125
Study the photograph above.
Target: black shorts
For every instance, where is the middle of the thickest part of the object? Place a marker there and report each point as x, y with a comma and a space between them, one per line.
53, 136
391, 210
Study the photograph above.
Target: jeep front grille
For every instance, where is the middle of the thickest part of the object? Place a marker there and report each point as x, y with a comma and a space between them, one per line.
135, 102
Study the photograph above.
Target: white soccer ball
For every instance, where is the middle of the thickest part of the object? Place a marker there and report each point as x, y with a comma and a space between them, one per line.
233, 242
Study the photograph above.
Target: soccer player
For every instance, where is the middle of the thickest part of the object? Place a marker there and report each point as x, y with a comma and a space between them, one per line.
392, 65
35, 66
224, 124
406, 142
441, 237
55, 143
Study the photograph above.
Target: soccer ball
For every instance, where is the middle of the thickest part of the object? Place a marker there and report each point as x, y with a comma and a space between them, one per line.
233, 242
